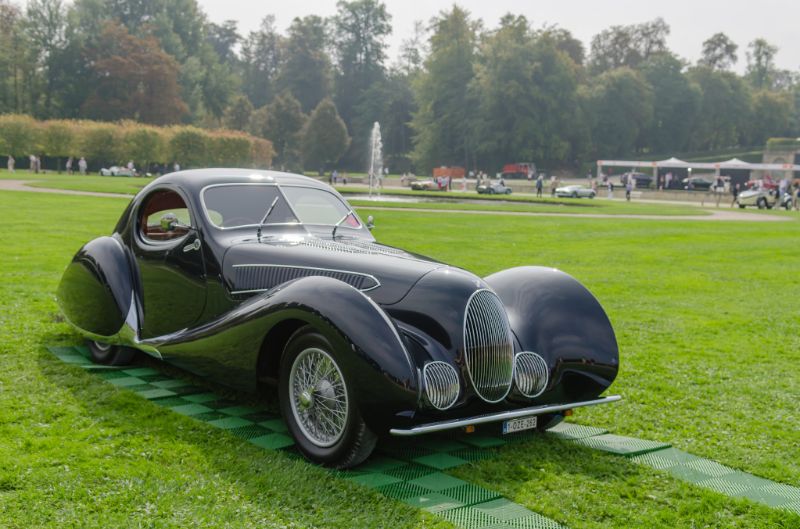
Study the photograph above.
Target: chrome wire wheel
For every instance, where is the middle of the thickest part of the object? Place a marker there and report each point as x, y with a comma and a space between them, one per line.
318, 397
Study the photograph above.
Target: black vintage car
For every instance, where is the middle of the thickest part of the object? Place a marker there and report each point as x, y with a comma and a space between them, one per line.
255, 278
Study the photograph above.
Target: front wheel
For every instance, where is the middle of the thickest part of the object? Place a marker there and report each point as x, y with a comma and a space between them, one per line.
741, 206
318, 404
111, 355
762, 203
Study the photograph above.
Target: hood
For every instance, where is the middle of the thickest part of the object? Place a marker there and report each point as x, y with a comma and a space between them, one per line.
382, 272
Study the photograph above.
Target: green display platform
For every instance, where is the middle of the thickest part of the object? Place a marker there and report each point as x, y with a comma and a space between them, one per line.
413, 472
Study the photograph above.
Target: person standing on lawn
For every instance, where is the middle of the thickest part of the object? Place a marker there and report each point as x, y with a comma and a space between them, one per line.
539, 185
628, 189
11, 163
68, 165
82, 165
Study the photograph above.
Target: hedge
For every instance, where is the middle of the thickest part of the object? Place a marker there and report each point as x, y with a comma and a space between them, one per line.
120, 142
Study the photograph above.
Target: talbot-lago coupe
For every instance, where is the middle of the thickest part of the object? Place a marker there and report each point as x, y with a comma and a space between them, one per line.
257, 278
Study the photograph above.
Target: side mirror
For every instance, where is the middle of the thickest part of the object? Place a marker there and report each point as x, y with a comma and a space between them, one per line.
169, 222
370, 222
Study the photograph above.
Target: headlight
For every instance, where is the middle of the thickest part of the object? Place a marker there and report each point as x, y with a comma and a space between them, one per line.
530, 374
441, 384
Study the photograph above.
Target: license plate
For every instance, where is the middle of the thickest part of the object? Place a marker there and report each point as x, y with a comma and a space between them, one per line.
518, 425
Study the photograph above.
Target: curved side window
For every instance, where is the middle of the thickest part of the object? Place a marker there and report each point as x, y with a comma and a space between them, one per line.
157, 205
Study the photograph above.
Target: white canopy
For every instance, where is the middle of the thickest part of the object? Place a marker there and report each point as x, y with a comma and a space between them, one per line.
733, 163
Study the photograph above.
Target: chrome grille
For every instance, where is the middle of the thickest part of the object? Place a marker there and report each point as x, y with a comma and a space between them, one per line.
488, 348
441, 384
257, 277
530, 374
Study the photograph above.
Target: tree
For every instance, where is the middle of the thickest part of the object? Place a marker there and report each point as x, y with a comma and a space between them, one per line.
259, 122
325, 137
144, 145
526, 89
361, 28
189, 147
45, 26
285, 122
262, 58
628, 45
443, 123
224, 39
237, 116
772, 112
719, 52
675, 103
761, 63
306, 73
621, 106
134, 79
566, 42
725, 109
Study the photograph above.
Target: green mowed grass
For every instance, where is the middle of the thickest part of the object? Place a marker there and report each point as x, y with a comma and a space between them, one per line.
705, 314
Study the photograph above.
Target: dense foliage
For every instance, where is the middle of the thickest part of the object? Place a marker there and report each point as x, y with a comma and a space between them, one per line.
459, 92
117, 143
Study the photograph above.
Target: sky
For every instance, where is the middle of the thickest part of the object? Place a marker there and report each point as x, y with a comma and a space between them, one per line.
692, 21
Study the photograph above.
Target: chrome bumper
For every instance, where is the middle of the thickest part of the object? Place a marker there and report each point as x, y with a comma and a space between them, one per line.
501, 416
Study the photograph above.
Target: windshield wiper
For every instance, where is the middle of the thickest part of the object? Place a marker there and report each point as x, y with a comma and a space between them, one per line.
264, 219
336, 226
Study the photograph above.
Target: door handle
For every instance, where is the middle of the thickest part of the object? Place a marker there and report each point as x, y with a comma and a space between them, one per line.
192, 246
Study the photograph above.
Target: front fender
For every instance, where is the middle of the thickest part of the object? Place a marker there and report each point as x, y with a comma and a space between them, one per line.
373, 356
553, 315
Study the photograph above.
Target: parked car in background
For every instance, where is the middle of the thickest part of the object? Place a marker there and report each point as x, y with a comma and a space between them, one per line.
575, 191
697, 182
640, 179
258, 279
427, 184
496, 187
763, 198
116, 170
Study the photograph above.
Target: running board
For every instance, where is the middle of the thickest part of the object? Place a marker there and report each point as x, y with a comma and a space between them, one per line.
495, 417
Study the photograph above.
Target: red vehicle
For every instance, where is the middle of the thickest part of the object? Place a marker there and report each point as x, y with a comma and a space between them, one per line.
453, 172
519, 170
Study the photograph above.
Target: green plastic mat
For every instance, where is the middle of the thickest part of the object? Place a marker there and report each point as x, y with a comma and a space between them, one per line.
410, 472
414, 472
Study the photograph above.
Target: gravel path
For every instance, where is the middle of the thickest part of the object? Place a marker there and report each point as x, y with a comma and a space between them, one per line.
716, 214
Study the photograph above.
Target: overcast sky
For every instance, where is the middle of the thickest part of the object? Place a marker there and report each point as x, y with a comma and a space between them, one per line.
692, 21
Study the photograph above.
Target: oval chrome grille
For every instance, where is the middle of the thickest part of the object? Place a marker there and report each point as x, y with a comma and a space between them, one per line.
488, 348
530, 374
441, 384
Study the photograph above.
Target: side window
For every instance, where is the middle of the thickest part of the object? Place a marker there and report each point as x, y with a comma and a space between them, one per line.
155, 206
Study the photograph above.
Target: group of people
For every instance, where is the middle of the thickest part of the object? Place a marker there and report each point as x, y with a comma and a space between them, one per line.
35, 164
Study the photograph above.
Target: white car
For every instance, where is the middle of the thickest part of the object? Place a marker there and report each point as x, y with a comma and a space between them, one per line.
498, 187
575, 191
115, 170
763, 198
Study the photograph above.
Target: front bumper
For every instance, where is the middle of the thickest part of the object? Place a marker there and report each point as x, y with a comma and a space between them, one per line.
496, 417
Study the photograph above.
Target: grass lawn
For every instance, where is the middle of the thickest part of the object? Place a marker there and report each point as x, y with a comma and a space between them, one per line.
705, 314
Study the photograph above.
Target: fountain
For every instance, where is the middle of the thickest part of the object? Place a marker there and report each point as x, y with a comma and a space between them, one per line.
375, 168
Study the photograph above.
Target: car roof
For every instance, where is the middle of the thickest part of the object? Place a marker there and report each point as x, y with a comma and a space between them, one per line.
194, 180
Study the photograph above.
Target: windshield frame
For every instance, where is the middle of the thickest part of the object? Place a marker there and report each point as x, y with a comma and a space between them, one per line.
283, 196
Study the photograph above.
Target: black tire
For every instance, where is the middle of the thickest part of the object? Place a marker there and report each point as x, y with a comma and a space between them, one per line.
592, 195
111, 355
574, 195
356, 441
508, 191
741, 206
788, 205
491, 191
762, 203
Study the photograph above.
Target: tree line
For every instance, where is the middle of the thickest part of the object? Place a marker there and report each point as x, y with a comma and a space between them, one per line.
458, 93
105, 144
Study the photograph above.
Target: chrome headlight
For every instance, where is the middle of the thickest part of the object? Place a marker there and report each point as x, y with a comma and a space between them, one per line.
530, 374
441, 384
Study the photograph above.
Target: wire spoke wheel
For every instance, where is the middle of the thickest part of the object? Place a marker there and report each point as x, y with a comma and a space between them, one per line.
318, 397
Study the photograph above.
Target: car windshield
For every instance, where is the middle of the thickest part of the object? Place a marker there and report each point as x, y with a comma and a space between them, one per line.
236, 205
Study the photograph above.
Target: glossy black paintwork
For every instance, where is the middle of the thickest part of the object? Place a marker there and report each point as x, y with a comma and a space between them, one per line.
185, 307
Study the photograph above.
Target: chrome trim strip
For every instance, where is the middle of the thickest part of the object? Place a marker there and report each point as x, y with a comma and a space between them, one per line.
368, 276
501, 416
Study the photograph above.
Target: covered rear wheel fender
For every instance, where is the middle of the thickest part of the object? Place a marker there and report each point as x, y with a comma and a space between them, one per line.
111, 355
318, 402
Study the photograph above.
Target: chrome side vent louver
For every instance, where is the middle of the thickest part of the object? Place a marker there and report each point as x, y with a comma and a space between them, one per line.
488, 346
530, 374
441, 384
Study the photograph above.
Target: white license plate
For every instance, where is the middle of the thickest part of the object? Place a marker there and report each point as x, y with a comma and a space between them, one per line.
518, 425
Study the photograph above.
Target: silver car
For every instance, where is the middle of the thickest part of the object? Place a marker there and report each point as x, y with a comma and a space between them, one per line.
575, 191
763, 198
498, 187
